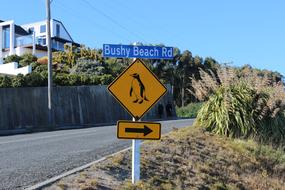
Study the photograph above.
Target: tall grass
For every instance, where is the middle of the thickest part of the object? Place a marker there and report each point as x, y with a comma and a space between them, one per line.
244, 106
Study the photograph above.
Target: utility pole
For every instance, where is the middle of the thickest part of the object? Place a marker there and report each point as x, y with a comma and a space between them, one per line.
48, 37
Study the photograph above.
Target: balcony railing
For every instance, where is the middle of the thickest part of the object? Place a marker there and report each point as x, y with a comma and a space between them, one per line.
24, 40
28, 41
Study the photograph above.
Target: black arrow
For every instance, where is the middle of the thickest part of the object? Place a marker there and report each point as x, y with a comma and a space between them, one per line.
144, 130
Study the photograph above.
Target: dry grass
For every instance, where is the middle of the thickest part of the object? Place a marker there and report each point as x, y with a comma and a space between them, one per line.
226, 76
189, 159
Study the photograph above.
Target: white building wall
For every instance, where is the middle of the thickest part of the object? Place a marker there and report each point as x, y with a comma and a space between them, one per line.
12, 69
20, 51
63, 33
11, 25
36, 27
5, 54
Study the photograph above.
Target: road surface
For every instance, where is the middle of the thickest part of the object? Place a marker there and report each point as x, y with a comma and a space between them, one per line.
32, 158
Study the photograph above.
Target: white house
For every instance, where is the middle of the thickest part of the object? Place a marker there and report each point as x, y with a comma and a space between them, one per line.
31, 38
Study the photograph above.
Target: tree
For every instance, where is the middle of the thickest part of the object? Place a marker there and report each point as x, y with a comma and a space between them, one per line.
183, 70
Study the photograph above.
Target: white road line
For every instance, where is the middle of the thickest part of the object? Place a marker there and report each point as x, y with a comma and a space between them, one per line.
45, 137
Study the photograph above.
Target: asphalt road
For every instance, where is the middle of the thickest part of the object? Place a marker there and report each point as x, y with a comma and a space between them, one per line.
31, 158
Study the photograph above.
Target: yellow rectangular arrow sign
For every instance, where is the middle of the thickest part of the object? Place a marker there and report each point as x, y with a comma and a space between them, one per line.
138, 130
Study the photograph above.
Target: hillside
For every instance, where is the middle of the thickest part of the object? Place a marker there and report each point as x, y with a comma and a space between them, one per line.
188, 159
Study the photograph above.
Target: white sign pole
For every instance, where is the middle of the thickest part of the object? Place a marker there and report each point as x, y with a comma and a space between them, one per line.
135, 156
135, 159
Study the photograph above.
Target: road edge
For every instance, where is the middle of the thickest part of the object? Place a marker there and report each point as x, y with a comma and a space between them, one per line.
78, 169
70, 172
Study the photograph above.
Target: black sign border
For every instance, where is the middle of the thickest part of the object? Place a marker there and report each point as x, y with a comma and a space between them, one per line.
125, 121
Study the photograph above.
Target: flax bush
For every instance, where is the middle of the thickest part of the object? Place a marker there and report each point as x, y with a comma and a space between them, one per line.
247, 106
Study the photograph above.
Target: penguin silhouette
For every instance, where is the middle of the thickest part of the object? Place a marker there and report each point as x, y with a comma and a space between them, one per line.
137, 89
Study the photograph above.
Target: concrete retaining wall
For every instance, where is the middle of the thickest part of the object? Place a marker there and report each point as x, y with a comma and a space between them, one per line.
12, 69
78, 105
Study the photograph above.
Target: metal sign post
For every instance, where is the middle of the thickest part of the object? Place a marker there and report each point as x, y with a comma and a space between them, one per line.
136, 145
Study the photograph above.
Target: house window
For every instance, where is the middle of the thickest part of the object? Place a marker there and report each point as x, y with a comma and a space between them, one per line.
6, 41
53, 44
61, 46
57, 30
44, 41
42, 28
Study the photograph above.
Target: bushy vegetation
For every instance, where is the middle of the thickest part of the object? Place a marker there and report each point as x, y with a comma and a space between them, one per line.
241, 104
91, 68
191, 110
23, 60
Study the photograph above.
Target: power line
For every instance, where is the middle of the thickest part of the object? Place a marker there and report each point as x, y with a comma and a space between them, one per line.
99, 26
112, 20
128, 15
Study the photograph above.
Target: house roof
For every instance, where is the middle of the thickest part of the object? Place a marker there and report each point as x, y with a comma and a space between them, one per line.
65, 41
19, 30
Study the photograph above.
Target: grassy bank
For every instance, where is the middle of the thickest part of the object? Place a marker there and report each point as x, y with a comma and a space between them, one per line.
188, 159
191, 110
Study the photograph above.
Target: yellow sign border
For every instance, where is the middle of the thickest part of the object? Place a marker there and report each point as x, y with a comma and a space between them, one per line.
137, 118
140, 122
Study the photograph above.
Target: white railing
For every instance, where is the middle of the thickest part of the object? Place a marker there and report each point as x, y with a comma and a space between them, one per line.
24, 40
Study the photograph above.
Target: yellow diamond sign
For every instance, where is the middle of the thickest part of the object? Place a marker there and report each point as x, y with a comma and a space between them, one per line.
137, 89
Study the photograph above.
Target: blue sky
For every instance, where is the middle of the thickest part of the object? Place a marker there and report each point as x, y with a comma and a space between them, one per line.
238, 32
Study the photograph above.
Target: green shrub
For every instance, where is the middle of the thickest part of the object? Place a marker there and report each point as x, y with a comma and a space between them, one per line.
40, 68
5, 81
106, 79
74, 80
34, 65
191, 110
229, 111
12, 58
94, 80
85, 79
23, 60
35, 79
18, 81
272, 129
61, 79
27, 59
247, 105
